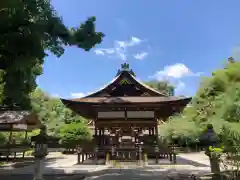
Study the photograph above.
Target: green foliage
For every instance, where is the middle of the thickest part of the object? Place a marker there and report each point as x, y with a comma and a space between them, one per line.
74, 133
52, 112
28, 29
216, 102
162, 86
2, 138
59, 120
180, 129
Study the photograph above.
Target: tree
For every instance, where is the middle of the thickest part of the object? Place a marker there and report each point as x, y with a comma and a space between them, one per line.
74, 133
216, 102
52, 112
162, 86
27, 30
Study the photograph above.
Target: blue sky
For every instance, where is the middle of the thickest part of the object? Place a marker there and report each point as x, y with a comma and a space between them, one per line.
181, 41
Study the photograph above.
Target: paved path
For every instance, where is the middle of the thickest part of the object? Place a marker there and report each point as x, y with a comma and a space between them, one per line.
147, 173
198, 157
63, 165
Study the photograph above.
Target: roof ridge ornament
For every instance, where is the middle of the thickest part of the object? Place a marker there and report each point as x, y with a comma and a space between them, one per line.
231, 60
125, 67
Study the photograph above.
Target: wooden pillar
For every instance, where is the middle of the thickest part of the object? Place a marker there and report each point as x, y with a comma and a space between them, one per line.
95, 131
97, 136
9, 142
26, 136
100, 137
103, 137
156, 130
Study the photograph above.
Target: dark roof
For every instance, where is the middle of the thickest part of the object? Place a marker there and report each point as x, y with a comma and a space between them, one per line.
128, 74
123, 90
128, 99
18, 120
18, 117
86, 107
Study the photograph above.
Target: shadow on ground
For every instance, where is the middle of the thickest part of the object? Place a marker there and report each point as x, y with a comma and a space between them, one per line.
180, 161
23, 162
45, 177
144, 174
92, 161
90, 170
118, 174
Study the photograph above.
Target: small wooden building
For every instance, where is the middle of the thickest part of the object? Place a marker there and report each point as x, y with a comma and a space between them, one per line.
126, 112
17, 121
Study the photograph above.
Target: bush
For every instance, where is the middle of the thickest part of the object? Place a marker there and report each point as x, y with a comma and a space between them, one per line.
73, 134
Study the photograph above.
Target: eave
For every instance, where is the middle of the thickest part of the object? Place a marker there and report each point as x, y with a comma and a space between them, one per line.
88, 107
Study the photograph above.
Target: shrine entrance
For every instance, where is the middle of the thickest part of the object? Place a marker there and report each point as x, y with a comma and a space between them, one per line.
126, 139
126, 144
125, 116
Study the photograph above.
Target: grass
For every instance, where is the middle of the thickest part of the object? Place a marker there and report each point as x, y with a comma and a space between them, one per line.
2, 163
225, 175
28, 153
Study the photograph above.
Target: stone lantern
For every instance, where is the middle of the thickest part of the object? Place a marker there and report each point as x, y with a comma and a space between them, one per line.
210, 138
40, 152
139, 144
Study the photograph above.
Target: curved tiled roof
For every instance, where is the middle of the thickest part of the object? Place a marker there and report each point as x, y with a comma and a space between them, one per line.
148, 87
86, 106
134, 79
128, 99
104, 87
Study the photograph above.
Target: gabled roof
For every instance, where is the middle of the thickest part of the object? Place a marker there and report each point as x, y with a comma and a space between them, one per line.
124, 89
126, 74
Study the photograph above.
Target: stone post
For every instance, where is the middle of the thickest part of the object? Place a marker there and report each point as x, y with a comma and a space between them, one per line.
113, 153
96, 154
140, 153
210, 138
157, 153
79, 150
40, 152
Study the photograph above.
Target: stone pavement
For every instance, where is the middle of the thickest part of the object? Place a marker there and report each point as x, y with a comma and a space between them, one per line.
146, 173
64, 164
45, 177
64, 167
198, 157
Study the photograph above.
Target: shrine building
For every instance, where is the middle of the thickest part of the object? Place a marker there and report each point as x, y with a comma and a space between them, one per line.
126, 112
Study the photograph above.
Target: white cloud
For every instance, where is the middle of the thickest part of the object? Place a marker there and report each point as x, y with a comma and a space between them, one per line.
140, 56
119, 50
78, 95
102, 51
132, 42
236, 53
174, 74
55, 95
175, 71
179, 86
99, 51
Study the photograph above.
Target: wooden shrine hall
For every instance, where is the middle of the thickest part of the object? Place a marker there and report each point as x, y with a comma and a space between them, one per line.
126, 113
